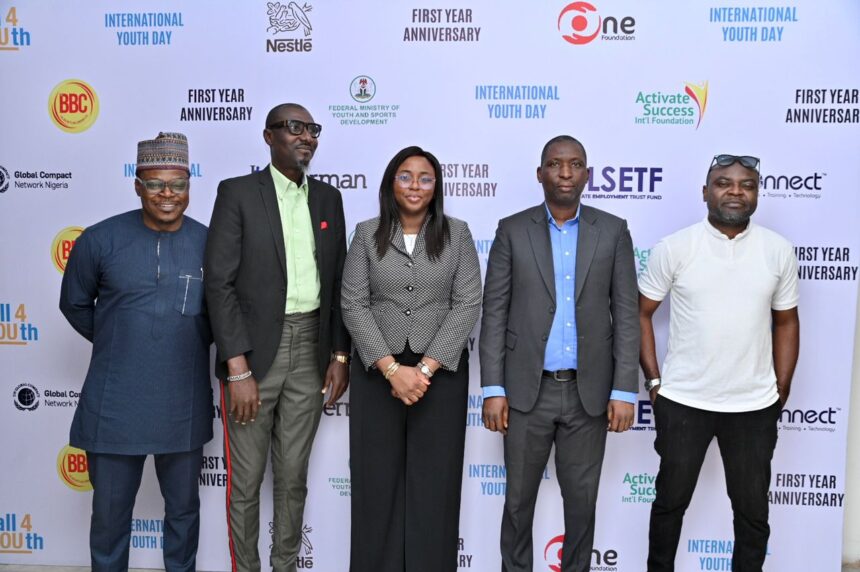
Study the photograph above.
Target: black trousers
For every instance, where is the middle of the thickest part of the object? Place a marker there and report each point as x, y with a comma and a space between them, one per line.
747, 441
116, 479
406, 464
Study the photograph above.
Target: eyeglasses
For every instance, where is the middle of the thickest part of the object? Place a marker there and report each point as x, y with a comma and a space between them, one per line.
726, 160
155, 186
296, 127
425, 182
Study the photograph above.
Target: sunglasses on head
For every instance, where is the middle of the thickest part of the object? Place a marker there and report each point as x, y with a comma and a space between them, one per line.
726, 160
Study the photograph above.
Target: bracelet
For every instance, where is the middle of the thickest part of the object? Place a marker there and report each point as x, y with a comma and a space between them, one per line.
341, 359
389, 371
240, 377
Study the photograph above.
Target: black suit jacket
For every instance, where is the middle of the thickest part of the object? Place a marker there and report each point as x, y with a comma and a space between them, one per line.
246, 272
520, 304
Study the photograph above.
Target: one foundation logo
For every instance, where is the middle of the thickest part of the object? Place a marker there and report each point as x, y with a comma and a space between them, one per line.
17, 535
4, 179
672, 107
362, 89
73, 106
12, 36
144, 28
289, 18
73, 470
601, 560
61, 247
752, 23
25, 397
580, 23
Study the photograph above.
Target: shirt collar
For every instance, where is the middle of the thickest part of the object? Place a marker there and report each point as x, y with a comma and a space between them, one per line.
715, 232
284, 185
551, 220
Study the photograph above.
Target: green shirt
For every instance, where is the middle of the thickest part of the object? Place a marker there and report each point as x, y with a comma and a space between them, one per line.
303, 279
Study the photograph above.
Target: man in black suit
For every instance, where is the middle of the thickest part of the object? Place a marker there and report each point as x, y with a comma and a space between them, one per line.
559, 349
274, 260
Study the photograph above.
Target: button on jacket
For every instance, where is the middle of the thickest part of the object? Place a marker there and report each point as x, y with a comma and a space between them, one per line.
432, 304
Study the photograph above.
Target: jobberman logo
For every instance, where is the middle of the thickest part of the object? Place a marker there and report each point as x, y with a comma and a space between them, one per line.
673, 107
580, 23
603, 560
73, 106
73, 470
61, 247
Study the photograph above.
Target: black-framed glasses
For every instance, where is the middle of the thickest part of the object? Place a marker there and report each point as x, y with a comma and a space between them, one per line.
725, 160
154, 186
296, 127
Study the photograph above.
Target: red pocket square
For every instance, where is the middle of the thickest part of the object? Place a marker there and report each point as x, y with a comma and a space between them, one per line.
323, 225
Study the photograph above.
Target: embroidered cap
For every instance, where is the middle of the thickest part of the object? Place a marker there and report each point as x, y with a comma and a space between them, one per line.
167, 151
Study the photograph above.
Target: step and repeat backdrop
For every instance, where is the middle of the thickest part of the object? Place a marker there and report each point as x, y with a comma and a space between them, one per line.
653, 89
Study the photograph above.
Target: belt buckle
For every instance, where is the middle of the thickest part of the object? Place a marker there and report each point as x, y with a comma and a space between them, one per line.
562, 379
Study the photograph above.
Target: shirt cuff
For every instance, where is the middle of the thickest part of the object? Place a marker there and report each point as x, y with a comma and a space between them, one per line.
619, 395
494, 391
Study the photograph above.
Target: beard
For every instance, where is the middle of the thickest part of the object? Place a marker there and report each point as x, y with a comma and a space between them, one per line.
730, 217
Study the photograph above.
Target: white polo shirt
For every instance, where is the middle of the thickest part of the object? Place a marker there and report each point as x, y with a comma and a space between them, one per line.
720, 355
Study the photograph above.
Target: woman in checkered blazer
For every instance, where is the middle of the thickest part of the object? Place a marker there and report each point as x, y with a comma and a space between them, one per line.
411, 295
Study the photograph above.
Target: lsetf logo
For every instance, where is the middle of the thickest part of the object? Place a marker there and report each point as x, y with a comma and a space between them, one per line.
606, 560
580, 23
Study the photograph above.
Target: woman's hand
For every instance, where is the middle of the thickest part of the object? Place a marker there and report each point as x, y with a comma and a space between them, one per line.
408, 384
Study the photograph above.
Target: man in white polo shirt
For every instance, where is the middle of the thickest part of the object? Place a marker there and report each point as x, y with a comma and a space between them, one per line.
733, 344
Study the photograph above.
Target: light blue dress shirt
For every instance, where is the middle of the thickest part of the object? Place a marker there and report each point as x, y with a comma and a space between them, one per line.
561, 346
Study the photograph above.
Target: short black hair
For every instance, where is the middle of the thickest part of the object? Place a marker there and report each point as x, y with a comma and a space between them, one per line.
558, 139
276, 111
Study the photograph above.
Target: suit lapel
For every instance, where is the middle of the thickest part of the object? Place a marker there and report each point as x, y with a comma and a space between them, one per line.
542, 249
315, 208
586, 244
270, 202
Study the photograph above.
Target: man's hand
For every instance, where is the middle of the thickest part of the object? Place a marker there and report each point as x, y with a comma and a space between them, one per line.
244, 400
653, 394
336, 381
495, 414
783, 396
620, 415
408, 384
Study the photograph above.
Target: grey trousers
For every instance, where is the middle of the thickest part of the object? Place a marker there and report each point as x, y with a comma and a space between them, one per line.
580, 441
287, 420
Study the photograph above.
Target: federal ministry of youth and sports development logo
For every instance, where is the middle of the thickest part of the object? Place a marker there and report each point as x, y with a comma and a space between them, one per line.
4, 179
26, 397
288, 17
362, 89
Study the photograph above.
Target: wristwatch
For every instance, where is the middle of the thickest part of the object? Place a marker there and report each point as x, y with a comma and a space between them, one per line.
341, 358
425, 369
652, 383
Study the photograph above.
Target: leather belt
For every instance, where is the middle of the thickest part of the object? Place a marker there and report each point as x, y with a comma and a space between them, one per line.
561, 374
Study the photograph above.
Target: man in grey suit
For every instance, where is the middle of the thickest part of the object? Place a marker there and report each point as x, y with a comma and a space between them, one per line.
559, 350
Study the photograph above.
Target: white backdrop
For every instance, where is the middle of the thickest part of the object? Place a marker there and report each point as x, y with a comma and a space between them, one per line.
659, 89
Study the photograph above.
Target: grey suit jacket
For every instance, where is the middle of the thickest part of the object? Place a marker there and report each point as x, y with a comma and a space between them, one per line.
520, 303
432, 304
